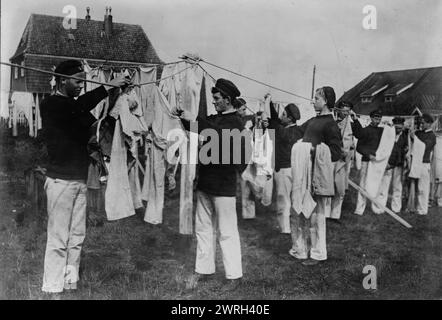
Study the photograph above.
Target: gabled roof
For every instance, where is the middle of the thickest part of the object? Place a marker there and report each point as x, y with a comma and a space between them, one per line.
45, 35
424, 93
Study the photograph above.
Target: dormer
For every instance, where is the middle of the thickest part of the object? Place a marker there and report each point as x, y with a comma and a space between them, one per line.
393, 92
368, 95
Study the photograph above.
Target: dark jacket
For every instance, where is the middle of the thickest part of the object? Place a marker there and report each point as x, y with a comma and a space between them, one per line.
397, 157
285, 138
429, 138
323, 129
65, 128
368, 139
219, 179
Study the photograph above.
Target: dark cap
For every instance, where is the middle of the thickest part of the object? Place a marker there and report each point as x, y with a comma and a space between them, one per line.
292, 111
238, 103
344, 104
69, 67
227, 88
376, 114
427, 118
398, 120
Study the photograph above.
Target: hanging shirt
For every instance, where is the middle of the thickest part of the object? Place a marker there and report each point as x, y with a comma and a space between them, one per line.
128, 109
145, 92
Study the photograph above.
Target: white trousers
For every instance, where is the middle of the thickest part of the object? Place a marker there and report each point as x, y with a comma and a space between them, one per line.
313, 228
217, 214
66, 233
338, 199
283, 183
362, 201
423, 189
393, 176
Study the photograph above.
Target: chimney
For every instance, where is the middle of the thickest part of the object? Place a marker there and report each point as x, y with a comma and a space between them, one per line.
88, 17
108, 22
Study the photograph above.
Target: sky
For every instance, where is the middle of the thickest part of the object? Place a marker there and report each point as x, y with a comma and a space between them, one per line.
276, 42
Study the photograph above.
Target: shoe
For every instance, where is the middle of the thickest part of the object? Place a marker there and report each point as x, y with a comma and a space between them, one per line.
296, 255
231, 285
193, 280
310, 262
70, 286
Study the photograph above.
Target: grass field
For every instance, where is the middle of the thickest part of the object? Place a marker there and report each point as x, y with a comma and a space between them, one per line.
130, 259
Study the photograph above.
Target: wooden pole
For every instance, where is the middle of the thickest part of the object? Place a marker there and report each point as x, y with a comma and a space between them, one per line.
313, 81
391, 213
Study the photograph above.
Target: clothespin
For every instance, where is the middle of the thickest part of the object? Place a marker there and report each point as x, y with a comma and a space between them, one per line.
191, 56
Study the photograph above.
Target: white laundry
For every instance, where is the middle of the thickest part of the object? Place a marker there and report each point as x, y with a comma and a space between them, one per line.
23, 102
128, 109
118, 196
376, 168
146, 92
302, 200
437, 158
209, 83
417, 153
262, 152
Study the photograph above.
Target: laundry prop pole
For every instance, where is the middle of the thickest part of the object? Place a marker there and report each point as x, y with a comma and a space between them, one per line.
391, 213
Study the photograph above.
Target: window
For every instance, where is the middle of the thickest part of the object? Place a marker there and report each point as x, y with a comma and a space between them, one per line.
366, 100
22, 71
15, 72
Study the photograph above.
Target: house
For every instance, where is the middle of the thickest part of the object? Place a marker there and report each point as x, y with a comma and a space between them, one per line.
399, 92
45, 43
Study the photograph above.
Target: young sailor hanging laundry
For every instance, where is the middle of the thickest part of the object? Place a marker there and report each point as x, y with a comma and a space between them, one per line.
320, 148
394, 171
216, 191
427, 136
286, 135
342, 166
66, 122
368, 142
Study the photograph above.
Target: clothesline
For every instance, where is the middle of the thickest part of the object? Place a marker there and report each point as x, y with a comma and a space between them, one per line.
249, 78
130, 65
87, 80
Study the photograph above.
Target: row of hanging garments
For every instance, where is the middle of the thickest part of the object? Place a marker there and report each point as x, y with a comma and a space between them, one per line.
136, 131
26, 104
